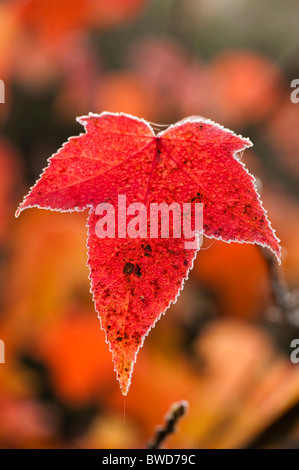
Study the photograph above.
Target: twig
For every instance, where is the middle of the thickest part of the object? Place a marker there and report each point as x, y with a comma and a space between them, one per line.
177, 411
283, 298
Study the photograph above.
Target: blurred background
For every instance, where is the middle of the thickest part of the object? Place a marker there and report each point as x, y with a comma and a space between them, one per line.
224, 347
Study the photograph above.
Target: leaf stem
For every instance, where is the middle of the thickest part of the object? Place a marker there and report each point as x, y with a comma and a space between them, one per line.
282, 296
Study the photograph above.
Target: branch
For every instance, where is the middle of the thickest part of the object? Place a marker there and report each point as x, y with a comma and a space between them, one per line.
283, 297
177, 411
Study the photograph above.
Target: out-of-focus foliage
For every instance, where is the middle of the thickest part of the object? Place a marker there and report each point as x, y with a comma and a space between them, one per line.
224, 346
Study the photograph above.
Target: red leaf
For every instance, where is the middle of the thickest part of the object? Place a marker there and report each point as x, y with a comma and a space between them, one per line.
134, 280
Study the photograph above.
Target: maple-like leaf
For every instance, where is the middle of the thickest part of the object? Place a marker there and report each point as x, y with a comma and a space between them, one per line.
135, 279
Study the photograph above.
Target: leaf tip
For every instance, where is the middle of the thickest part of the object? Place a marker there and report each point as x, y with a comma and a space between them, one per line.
124, 383
277, 253
19, 210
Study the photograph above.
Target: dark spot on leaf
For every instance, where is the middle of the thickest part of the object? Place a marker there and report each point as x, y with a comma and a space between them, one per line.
106, 292
246, 208
129, 268
147, 249
198, 197
137, 270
